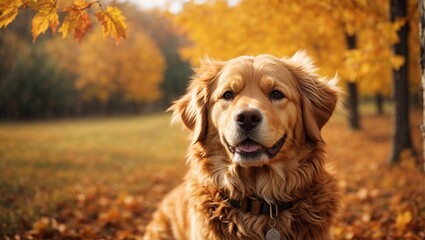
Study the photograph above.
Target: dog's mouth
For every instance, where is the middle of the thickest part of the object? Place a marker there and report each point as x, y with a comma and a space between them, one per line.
250, 149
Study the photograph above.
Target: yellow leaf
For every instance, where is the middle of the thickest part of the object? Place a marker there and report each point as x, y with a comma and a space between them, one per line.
8, 11
46, 16
113, 23
67, 25
403, 219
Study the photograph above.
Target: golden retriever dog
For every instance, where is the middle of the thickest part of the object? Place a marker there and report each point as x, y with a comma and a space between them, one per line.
257, 158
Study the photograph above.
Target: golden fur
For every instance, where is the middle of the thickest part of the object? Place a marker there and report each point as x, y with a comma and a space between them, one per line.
199, 207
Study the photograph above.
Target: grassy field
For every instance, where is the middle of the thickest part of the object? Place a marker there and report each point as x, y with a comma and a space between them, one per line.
44, 164
101, 178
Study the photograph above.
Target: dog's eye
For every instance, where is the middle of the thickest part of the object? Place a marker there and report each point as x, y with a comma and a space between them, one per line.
228, 95
276, 95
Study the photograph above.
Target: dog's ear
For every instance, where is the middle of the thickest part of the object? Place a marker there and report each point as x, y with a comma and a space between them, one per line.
319, 96
191, 108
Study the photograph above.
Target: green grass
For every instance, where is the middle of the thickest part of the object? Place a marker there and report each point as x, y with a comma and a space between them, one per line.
44, 164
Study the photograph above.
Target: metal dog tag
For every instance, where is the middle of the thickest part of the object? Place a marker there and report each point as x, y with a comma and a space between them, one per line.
272, 234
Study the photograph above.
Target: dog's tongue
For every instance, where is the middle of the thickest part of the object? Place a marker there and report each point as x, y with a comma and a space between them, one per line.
248, 147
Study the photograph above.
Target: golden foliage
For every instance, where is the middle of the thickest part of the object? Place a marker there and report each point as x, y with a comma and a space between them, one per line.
77, 19
134, 68
282, 27
130, 72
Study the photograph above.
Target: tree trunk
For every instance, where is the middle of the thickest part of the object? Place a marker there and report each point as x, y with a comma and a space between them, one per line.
401, 135
422, 65
379, 104
353, 105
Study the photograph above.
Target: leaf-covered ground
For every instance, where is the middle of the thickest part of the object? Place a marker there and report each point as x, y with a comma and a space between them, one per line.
379, 201
101, 179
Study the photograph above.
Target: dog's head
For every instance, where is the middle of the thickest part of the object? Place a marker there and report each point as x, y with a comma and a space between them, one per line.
258, 108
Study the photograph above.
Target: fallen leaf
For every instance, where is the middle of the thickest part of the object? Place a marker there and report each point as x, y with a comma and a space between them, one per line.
362, 194
403, 219
41, 226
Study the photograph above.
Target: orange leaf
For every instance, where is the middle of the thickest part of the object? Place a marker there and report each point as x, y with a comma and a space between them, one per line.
76, 20
112, 215
82, 26
46, 16
113, 23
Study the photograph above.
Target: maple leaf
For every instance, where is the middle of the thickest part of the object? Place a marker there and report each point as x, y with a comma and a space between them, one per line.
82, 26
76, 20
8, 11
46, 16
113, 23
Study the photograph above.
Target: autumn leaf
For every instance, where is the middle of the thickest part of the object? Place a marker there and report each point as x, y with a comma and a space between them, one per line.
82, 26
76, 20
8, 11
112, 215
113, 23
41, 225
403, 219
46, 16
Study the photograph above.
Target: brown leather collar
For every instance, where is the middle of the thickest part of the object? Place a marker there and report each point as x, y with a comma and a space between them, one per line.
259, 206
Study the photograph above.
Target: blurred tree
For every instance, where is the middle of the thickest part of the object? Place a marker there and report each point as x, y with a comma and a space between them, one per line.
133, 70
178, 71
65, 52
401, 132
124, 80
352, 91
158, 26
32, 86
25, 91
129, 78
162, 30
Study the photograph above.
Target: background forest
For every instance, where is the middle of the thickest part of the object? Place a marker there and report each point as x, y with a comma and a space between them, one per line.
66, 78
86, 151
152, 66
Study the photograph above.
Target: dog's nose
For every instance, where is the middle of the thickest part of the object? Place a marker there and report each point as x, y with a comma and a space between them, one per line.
249, 119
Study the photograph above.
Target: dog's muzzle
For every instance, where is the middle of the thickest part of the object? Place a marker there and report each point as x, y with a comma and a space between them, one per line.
249, 149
